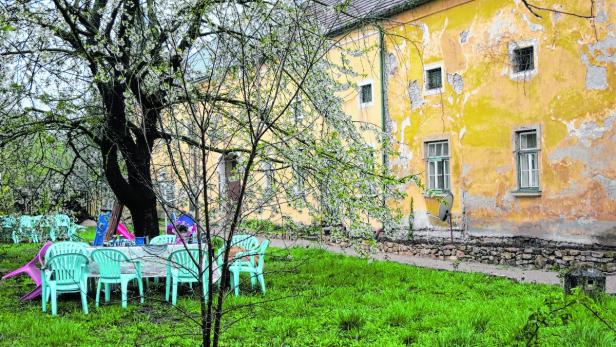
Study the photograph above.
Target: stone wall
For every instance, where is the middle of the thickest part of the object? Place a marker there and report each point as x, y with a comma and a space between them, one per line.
514, 251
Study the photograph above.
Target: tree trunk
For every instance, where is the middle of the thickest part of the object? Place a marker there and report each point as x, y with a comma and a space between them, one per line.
145, 219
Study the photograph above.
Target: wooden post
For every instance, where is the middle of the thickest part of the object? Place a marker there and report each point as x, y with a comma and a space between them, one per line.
114, 220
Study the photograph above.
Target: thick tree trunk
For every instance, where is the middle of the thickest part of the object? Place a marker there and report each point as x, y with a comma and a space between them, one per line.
145, 219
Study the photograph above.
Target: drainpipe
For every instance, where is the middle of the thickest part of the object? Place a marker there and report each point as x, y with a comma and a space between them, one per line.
383, 100
383, 85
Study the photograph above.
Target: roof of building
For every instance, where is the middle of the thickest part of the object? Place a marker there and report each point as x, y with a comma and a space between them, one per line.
359, 12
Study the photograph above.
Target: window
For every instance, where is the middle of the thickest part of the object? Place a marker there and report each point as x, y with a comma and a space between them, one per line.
438, 165
523, 59
434, 79
365, 94
527, 150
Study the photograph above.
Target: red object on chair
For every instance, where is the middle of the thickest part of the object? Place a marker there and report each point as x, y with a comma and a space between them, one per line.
33, 271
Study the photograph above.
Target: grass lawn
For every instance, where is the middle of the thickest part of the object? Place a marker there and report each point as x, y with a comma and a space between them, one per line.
314, 298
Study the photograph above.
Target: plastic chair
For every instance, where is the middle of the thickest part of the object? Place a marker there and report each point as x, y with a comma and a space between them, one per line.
163, 240
110, 267
62, 225
33, 271
240, 264
245, 241
7, 226
68, 274
24, 228
58, 248
181, 268
46, 225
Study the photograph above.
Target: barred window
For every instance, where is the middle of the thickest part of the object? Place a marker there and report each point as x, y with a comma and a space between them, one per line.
434, 79
523, 59
365, 93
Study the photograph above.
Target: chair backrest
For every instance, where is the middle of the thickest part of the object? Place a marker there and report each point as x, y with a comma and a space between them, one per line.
8, 222
245, 241
66, 247
26, 222
262, 249
109, 262
62, 220
163, 240
68, 268
187, 268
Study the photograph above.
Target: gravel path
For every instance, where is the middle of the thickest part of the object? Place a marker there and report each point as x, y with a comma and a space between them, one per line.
518, 274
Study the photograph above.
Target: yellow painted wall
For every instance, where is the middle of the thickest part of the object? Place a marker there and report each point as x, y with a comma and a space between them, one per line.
571, 99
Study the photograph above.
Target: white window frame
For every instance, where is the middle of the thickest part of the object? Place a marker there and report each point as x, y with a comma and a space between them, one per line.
523, 75
361, 84
433, 161
427, 68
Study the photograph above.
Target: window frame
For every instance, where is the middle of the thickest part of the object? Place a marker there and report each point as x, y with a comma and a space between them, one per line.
519, 152
527, 74
359, 93
435, 159
427, 68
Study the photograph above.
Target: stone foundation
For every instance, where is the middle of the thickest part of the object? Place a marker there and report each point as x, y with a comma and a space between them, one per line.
513, 251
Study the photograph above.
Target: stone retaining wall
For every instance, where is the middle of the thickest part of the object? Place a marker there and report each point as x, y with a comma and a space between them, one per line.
524, 252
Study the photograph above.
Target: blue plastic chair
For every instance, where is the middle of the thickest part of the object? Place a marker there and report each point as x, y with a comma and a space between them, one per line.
101, 227
68, 274
110, 266
245, 262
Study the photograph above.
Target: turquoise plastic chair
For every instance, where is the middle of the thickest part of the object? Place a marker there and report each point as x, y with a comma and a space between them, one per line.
68, 274
62, 224
8, 225
163, 240
182, 269
60, 248
25, 229
46, 227
241, 264
110, 266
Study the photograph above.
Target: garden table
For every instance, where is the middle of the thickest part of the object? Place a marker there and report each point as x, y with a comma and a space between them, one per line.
153, 260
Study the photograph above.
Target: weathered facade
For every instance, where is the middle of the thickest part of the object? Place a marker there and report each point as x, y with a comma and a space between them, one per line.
515, 115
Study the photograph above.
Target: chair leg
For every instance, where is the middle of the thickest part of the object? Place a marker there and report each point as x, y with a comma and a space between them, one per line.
54, 301
236, 281
253, 280
107, 292
140, 284
124, 288
98, 292
167, 288
84, 300
44, 298
262, 282
174, 294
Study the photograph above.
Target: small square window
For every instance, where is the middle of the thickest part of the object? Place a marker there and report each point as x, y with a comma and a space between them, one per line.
365, 93
434, 79
523, 59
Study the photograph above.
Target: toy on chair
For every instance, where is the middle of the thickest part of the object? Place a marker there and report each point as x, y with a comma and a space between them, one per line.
33, 271
183, 227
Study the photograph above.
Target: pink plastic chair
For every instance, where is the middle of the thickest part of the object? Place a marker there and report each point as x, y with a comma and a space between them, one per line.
33, 271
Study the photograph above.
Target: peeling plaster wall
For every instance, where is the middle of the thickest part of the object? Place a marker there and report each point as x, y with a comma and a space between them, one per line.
571, 98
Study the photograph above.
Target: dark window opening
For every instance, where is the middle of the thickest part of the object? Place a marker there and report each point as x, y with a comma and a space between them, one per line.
365, 93
523, 59
434, 79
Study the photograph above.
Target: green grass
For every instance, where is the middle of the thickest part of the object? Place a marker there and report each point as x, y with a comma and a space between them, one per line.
314, 298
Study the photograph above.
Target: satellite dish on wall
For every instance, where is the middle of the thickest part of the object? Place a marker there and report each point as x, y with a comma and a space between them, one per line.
445, 206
